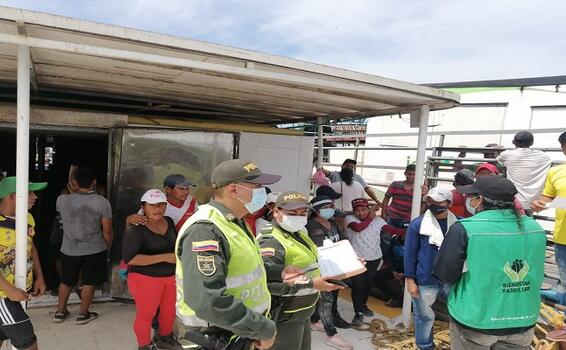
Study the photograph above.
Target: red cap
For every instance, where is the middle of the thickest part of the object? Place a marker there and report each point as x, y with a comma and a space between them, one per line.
487, 166
360, 202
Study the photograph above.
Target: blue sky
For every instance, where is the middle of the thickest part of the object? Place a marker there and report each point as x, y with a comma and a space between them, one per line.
415, 40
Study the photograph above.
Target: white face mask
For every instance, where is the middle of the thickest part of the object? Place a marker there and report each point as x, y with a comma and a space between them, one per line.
469, 207
293, 223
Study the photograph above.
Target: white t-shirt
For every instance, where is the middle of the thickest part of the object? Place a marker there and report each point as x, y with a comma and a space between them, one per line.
181, 214
527, 169
349, 193
366, 243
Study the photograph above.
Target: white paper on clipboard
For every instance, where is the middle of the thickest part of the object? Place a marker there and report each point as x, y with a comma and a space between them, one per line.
339, 261
558, 203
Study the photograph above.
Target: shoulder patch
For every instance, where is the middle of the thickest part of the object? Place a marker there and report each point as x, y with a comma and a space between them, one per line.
205, 246
267, 229
206, 265
267, 251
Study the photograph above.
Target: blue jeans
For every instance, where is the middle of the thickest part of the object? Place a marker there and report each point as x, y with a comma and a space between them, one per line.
424, 315
560, 257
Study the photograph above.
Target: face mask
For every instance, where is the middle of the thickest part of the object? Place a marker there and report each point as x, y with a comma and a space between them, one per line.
326, 213
469, 207
259, 198
293, 223
437, 209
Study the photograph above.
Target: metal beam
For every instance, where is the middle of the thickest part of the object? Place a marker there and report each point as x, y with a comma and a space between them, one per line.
448, 133
417, 196
21, 28
22, 166
320, 125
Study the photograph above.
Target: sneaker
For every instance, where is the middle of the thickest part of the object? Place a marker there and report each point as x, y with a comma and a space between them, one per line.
317, 327
367, 312
557, 335
358, 319
168, 342
338, 343
147, 347
59, 317
339, 322
84, 319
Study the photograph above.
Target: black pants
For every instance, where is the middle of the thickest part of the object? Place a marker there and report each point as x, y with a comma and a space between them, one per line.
361, 285
382, 281
326, 309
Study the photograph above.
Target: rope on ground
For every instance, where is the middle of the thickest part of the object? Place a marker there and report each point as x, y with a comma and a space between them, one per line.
400, 338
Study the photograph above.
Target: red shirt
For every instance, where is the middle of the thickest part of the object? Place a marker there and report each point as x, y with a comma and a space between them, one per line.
401, 201
458, 207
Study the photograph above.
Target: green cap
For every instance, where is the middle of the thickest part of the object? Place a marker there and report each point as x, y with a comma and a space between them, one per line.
8, 186
292, 200
239, 170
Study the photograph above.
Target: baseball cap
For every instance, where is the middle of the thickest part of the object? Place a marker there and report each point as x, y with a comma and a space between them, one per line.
328, 192
487, 166
8, 186
292, 200
240, 170
177, 180
360, 202
492, 187
154, 196
320, 201
524, 137
464, 177
439, 194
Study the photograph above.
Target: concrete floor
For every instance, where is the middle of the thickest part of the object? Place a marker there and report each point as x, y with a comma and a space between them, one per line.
113, 329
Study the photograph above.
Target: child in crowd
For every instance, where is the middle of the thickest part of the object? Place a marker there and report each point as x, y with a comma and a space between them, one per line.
363, 231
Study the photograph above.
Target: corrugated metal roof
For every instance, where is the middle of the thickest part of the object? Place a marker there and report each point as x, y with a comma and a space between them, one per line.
89, 65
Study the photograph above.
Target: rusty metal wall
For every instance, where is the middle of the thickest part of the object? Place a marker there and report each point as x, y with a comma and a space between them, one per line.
144, 157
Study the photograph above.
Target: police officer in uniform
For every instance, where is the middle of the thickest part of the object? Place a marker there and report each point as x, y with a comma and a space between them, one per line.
221, 278
287, 244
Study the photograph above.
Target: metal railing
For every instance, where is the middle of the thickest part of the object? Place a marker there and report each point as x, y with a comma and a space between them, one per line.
440, 163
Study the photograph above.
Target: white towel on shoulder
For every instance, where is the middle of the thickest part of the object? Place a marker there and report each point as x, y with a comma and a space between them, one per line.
430, 227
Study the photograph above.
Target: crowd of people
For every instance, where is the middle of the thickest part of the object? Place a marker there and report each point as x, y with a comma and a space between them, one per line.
242, 270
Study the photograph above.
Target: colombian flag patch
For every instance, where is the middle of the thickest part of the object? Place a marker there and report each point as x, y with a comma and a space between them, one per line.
205, 246
267, 251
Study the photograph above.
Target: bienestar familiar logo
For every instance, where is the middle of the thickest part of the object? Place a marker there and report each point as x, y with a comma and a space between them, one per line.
517, 272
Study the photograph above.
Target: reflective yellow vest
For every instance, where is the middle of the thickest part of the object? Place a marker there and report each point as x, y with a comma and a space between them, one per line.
297, 254
246, 279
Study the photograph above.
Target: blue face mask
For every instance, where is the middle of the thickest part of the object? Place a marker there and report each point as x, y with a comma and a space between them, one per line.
326, 213
259, 198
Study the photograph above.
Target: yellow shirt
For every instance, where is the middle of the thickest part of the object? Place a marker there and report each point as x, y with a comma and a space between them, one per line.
8, 251
556, 187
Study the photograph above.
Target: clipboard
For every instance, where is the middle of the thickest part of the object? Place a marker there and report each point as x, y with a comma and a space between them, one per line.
339, 261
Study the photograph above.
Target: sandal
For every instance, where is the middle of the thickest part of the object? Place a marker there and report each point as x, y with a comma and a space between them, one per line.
84, 319
59, 317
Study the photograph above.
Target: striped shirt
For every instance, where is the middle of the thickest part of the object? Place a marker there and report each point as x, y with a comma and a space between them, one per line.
400, 201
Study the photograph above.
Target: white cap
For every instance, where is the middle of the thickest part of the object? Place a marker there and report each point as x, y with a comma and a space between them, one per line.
272, 197
154, 196
440, 194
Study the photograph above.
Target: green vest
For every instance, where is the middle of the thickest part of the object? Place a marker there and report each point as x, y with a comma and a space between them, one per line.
246, 279
505, 269
297, 254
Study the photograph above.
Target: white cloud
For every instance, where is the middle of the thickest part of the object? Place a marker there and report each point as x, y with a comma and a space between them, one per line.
414, 40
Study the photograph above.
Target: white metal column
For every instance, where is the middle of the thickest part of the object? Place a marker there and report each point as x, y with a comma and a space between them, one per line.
417, 195
319, 122
22, 165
